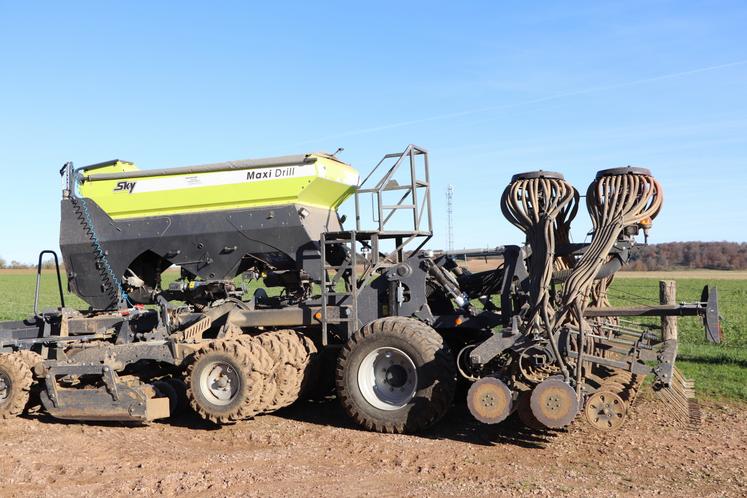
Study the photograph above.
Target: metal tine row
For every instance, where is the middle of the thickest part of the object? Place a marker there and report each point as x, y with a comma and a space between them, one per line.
686, 411
614, 341
688, 391
622, 328
688, 383
675, 399
687, 386
681, 396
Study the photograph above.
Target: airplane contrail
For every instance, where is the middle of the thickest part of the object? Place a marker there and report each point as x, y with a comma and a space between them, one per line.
439, 117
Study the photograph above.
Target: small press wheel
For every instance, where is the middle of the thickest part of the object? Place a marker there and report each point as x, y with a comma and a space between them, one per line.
554, 403
605, 411
489, 400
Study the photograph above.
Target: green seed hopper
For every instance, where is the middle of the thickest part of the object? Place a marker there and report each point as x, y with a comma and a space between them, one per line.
215, 221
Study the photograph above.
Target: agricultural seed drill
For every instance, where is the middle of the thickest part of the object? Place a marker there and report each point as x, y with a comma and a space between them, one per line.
399, 324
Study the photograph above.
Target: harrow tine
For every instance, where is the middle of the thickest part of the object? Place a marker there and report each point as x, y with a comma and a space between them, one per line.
674, 399
680, 395
679, 410
676, 411
685, 382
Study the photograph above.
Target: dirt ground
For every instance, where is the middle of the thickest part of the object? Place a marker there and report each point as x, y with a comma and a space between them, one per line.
311, 449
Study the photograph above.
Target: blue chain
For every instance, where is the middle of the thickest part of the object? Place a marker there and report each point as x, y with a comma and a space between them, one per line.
100, 254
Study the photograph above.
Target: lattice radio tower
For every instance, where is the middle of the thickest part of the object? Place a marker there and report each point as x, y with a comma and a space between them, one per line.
450, 214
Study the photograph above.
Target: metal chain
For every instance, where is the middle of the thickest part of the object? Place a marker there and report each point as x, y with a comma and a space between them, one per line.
114, 287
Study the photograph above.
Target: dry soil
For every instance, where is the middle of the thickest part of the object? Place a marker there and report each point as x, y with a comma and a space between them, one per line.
311, 449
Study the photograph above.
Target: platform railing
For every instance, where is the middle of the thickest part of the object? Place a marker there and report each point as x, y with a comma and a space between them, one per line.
364, 244
415, 196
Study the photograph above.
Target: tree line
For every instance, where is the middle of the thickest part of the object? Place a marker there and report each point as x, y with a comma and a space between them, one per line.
15, 265
689, 255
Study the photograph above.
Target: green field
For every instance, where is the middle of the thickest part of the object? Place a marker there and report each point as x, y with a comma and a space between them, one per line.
719, 370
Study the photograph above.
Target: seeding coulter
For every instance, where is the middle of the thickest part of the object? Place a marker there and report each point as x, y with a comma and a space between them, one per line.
359, 307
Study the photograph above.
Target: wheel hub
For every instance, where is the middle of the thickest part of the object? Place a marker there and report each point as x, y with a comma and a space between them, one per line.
220, 383
4, 387
553, 403
396, 376
387, 378
605, 410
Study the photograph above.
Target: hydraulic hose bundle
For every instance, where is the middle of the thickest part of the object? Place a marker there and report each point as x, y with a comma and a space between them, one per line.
616, 199
598, 294
110, 283
542, 205
563, 233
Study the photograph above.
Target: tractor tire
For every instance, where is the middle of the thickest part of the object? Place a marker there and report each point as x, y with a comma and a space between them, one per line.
264, 364
312, 366
15, 385
524, 412
396, 375
33, 360
291, 353
222, 383
284, 374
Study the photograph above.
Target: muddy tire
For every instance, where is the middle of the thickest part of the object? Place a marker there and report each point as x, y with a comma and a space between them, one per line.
396, 375
264, 364
284, 374
31, 359
312, 366
291, 353
524, 412
222, 385
15, 385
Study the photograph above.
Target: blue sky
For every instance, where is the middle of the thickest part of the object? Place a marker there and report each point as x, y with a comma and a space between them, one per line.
489, 88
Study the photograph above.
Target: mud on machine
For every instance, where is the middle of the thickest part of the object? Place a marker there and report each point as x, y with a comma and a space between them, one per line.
277, 299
